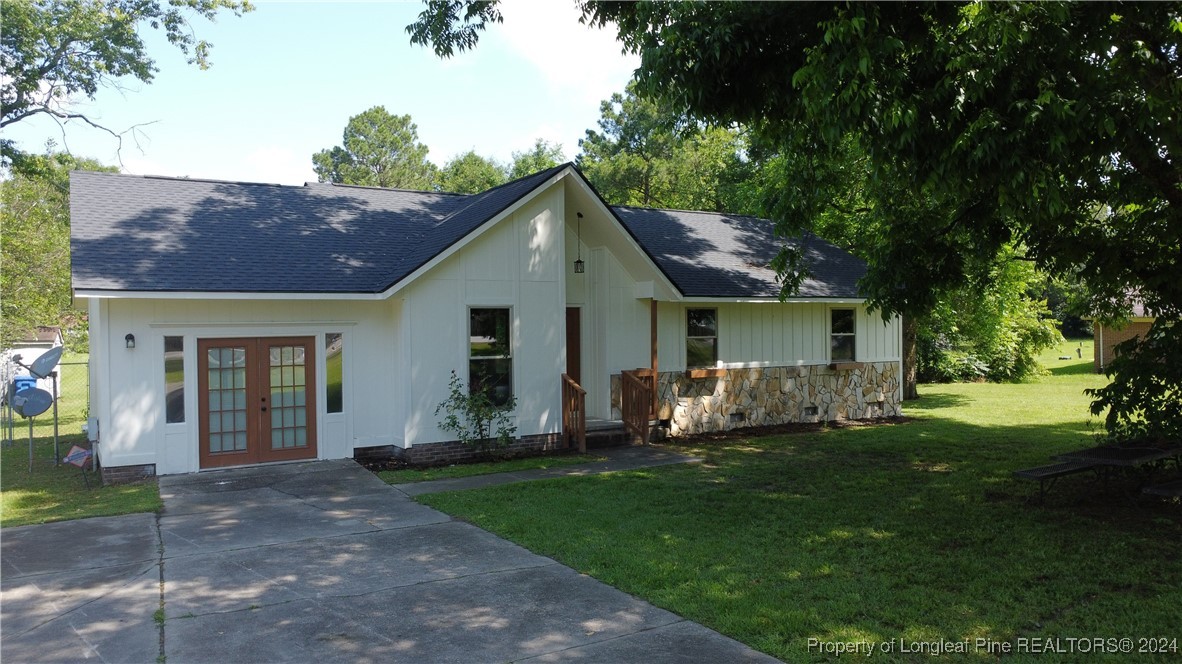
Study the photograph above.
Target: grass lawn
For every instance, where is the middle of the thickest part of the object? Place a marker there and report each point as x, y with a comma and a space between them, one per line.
486, 468
58, 493
913, 531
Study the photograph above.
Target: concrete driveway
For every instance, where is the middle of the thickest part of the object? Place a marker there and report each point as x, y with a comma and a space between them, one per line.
317, 561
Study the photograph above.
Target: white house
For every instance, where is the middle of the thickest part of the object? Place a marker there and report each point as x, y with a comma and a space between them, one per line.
237, 323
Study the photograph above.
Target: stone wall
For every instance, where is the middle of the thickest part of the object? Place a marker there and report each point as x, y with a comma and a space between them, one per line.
773, 395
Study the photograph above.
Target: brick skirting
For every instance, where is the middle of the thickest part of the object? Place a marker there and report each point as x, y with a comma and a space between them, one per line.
437, 454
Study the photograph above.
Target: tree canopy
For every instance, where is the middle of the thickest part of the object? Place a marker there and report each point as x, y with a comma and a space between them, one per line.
54, 51
1050, 125
35, 272
377, 150
653, 155
470, 173
541, 156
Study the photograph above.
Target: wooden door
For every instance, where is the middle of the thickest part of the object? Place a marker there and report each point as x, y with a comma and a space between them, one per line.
256, 400
574, 346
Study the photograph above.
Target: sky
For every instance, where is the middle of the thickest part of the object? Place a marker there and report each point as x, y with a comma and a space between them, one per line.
286, 78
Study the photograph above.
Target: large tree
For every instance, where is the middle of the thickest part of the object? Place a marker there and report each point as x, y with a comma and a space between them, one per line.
653, 155
35, 272
1054, 125
541, 156
54, 52
377, 149
470, 173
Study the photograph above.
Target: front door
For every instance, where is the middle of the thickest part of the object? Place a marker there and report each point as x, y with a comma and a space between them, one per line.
257, 400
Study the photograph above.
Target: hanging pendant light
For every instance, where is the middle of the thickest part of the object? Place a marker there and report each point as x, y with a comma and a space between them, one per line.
579, 265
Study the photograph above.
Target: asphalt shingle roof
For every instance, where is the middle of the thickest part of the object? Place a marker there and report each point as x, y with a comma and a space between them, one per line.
706, 254
166, 234
140, 233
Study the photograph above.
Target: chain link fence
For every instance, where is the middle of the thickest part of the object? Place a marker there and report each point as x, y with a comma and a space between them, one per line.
70, 386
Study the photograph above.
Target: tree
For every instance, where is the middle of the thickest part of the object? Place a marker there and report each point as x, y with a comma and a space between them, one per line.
650, 155
1053, 125
470, 173
377, 150
542, 156
35, 272
53, 51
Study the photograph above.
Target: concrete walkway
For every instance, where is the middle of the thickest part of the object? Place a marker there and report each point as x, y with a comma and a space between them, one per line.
314, 562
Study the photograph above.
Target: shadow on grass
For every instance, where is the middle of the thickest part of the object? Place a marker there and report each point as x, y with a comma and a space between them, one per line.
1074, 369
912, 531
936, 401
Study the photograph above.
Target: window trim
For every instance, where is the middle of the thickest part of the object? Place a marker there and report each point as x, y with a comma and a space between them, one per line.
509, 347
853, 334
688, 336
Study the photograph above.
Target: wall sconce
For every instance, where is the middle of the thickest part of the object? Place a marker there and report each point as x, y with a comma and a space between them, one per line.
130, 339
579, 265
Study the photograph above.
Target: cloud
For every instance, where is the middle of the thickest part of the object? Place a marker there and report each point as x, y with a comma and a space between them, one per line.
573, 58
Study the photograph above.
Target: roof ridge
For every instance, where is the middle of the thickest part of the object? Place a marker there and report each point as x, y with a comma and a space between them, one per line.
390, 189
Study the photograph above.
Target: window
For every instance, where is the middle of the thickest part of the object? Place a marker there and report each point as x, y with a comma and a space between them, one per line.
701, 338
841, 335
174, 380
334, 369
490, 354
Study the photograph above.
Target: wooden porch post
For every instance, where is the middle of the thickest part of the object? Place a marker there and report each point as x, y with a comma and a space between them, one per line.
652, 323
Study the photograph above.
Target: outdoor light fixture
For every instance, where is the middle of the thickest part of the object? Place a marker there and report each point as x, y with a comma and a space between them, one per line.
579, 265
130, 339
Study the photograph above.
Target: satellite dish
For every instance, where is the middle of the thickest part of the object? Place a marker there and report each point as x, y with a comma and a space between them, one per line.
31, 402
44, 365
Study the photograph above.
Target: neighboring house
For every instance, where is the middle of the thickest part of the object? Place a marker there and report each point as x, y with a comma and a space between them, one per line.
1106, 337
278, 322
43, 338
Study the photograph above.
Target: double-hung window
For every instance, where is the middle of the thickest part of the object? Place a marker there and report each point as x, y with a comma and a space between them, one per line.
701, 338
490, 354
841, 335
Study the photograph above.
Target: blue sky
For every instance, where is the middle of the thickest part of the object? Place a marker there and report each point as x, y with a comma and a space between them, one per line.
287, 76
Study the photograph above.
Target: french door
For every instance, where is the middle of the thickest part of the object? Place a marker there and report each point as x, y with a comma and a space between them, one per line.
257, 400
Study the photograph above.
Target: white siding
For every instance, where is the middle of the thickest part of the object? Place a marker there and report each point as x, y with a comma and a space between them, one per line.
774, 334
131, 421
516, 264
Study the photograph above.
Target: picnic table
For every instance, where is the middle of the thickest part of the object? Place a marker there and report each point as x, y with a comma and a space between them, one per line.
1118, 456
1104, 460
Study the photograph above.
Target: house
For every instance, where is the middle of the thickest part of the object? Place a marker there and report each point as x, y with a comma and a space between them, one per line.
1106, 337
43, 338
236, 323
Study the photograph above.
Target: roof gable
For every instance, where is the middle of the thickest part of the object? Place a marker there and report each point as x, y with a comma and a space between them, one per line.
132, 233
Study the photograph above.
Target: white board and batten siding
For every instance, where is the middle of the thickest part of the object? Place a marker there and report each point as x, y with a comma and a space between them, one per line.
132, 423
762, 334
517, 264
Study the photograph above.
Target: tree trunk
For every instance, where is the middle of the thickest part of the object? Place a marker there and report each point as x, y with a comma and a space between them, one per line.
909, 360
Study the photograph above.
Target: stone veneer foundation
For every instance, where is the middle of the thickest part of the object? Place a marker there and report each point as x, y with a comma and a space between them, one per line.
764, 396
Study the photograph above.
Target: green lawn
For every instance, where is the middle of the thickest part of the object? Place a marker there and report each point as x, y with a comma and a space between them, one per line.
913, 531
57, 493
484, 468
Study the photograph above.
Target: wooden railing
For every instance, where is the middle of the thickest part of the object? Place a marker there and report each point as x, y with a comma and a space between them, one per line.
636, 403
574, 413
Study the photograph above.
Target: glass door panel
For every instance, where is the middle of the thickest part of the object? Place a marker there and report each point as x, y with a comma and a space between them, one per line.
257, 400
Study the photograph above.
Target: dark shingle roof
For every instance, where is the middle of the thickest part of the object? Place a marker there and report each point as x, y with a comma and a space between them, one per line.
166, 234
707, 254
